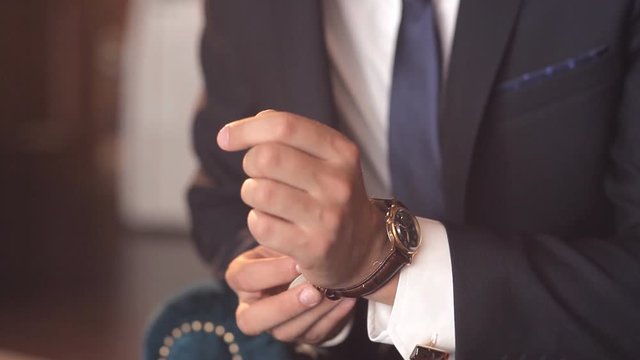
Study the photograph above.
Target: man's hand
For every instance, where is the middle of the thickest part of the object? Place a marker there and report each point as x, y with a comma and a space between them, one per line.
308, 197
260, 277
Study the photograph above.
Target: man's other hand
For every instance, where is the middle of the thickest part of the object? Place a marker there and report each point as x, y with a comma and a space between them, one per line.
260, 277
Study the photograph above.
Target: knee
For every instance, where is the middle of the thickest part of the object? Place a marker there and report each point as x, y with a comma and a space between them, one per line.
200, 324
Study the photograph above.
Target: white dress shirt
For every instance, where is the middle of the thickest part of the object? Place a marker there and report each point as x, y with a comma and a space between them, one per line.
361, 38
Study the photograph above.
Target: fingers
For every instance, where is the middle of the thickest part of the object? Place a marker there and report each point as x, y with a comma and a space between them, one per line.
279, 200
272, 311
262, 252
299, 170
284, 164
279, 235
254, 275
316, 325
298, 313
307, 135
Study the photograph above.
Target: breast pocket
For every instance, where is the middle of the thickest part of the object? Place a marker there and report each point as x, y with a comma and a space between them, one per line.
573, 77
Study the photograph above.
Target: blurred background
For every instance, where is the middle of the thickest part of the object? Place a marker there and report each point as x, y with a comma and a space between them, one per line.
96, 99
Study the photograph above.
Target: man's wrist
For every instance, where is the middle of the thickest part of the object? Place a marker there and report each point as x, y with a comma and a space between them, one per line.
393, 237
380, 247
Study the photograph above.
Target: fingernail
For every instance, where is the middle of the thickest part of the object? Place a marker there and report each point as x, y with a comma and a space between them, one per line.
223, 137
264, 112
310, 297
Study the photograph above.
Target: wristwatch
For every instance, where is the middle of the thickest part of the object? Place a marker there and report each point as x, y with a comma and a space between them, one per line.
403, 232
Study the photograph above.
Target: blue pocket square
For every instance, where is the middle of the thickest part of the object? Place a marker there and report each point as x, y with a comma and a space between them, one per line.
553, 70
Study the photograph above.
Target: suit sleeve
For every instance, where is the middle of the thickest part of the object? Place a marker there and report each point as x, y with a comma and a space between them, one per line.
534, 295
218, 216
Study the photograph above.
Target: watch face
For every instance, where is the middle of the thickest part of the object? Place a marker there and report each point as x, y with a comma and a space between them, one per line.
406, 230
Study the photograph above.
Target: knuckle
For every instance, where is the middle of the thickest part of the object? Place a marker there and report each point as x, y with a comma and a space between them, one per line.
244, 324
234, 278
313, 338
230, 276
281, 334
257, 193
267, 157
246, 191
248, 162
330, 218
352, 152
320, 181
259, 227
264, 193
285, 126
307, 205
342, 189
349, 150
336, 184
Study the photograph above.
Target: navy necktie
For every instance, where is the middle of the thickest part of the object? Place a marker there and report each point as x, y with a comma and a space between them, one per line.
414, 149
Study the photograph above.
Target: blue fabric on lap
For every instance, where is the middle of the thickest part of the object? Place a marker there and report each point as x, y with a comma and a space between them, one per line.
195, 316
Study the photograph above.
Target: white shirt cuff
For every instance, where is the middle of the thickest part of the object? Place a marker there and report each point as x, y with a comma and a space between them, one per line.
422, 313
341, 337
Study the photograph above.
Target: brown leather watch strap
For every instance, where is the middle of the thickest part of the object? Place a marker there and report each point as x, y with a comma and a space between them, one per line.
403, 234
382, 275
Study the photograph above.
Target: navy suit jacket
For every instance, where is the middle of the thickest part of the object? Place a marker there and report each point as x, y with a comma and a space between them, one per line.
540, 134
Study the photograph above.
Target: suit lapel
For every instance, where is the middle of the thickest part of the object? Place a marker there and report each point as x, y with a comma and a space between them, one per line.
482, 35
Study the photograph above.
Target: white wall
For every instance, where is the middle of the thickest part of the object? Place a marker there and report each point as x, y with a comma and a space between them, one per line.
161, 85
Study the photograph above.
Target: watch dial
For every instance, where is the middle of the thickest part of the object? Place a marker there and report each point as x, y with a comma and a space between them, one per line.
406, 229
